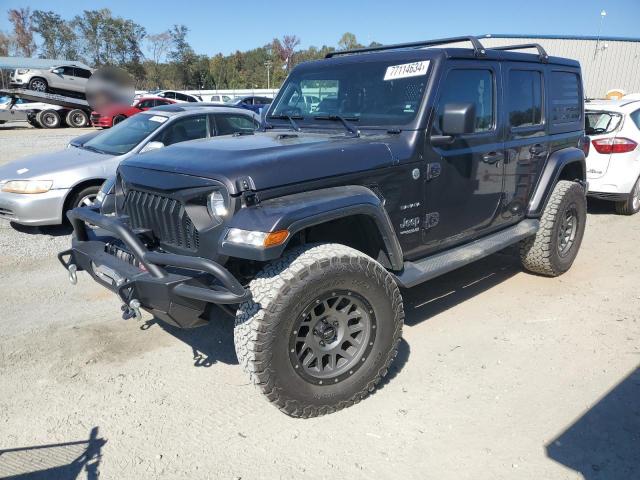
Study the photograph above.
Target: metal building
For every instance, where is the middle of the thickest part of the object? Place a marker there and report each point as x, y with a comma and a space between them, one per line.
607, 62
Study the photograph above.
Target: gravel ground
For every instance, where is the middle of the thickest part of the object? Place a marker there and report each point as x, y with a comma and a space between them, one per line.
500, 375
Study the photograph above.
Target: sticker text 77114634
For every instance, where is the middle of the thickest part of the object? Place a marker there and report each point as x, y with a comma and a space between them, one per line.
415, 69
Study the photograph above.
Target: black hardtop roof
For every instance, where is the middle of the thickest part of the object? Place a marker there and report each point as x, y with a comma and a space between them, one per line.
429, 49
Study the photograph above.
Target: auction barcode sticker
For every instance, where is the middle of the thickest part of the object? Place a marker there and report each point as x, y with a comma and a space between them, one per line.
415, 69
158, 118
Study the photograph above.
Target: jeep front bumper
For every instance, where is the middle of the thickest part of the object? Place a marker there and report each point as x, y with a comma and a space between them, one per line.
175, 288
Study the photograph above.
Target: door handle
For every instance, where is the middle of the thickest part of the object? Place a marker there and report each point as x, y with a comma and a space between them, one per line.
492, 157
536, 149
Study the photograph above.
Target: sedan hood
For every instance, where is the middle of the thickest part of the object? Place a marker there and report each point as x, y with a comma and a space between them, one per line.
49, 166
270, 159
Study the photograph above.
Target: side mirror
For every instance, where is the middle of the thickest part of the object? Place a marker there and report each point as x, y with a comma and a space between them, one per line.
458, 118
57, 71
152, 146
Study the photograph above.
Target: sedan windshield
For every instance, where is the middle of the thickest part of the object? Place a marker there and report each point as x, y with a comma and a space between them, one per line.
124, 136
373, 93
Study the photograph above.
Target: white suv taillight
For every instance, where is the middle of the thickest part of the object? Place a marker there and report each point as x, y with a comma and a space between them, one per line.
614, 145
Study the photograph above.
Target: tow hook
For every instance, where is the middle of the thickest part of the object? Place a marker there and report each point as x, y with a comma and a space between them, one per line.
73, 273
132, 310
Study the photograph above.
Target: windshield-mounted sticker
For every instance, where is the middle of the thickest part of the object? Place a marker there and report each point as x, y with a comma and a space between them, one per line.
158, 118
22, 170
415, 69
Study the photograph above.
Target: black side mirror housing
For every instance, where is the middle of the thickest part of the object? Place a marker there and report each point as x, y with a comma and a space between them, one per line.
458, 118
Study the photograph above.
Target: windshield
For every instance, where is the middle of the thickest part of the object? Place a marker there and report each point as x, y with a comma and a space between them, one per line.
597, 123
124, 136
373, 93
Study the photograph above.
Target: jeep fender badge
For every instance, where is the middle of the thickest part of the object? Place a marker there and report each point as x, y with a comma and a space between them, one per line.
415, 173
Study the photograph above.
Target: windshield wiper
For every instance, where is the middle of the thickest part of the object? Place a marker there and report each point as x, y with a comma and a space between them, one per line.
345, 121
291, 118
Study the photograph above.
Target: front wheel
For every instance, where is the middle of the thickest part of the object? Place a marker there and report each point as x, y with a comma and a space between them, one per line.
321, 329
630, 206
38, 84
552, 250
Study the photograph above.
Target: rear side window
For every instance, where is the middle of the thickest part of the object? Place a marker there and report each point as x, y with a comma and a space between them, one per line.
566, 101
525, 98
635, 116
229, 124
470, 86
82, 73
182, 130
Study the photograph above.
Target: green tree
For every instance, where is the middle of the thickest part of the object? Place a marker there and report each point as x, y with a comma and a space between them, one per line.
348, 41
58, 37
20, 18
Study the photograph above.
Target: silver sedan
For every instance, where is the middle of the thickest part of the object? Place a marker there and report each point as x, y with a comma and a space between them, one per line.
37, 190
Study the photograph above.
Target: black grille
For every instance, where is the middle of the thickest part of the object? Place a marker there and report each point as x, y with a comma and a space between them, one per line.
164, 216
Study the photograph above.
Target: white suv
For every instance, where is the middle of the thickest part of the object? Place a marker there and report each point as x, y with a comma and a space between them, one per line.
66, 77
613, 163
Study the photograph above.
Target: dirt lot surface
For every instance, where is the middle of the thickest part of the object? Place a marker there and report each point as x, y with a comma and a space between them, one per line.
501, 375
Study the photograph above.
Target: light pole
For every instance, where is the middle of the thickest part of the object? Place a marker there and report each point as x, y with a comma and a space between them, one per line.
268, 64
603, 13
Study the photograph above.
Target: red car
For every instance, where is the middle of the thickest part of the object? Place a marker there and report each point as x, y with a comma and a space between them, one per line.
114, 115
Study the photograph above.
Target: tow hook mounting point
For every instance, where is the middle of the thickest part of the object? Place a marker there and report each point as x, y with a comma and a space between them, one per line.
132, 310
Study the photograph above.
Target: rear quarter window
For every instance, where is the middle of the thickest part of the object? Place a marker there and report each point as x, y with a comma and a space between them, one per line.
565, 99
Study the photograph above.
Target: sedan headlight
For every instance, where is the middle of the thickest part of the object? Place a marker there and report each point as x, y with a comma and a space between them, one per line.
217, 205
27, 186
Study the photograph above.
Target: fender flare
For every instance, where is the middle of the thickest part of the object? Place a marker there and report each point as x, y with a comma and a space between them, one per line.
302, 210
556, 163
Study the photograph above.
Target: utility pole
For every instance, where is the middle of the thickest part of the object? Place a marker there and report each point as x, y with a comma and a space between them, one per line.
603, 13
268, 64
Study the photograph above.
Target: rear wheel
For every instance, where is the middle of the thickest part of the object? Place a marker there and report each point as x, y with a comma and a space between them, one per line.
49, 119
77, 118
38, 84
631, 206
552, 250
321, 329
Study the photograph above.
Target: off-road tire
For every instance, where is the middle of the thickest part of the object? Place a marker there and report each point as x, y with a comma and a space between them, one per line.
630, 206
49, 119
117, 119
77, 118
540, 253
36, 84
280, 291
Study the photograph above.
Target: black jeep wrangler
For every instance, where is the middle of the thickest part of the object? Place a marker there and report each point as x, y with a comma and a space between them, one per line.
375, 169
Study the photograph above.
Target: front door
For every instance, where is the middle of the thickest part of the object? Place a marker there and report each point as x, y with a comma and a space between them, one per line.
464, 178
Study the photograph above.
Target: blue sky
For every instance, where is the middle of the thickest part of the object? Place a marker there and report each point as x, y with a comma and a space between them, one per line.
226, 26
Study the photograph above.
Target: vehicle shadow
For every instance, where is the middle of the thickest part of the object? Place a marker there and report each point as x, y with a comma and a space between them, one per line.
210, 344
596, 206
604, 443
439, 295
58, 461
213, 343
51, 230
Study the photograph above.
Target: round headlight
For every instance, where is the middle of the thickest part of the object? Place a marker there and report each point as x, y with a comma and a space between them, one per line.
217, 204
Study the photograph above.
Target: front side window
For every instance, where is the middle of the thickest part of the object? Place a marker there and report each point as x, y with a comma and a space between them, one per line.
470, 86
525, 98
184, 129
370, 92
125, 135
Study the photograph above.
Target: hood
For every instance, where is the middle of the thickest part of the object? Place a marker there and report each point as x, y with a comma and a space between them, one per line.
270, 159
48, 166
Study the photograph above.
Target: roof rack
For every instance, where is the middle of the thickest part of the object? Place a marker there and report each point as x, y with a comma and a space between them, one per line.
542, 53
478, 49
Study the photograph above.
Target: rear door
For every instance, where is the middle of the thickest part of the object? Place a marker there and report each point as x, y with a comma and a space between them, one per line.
81, 76
464, 189
526, 136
